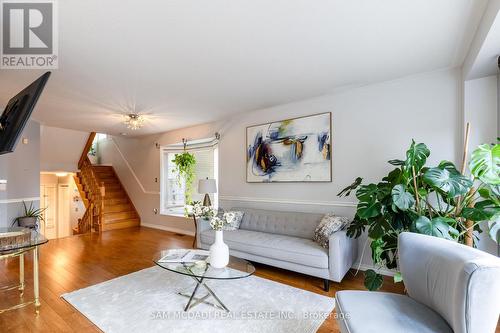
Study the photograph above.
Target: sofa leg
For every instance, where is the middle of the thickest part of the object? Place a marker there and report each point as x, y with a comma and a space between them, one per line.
326, 283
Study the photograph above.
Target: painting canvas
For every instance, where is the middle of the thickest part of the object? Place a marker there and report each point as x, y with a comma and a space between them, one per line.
292, 150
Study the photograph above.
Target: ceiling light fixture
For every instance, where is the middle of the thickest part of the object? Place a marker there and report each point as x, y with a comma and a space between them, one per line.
134, 121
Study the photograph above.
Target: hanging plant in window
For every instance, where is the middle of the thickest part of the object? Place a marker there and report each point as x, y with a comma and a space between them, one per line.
185, 169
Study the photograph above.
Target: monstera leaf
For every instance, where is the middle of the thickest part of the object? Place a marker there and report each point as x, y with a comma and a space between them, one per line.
373, 281
450, 183
438, 226
368, 206
494, 228
485, 164
366, 192
416, 156
369, 209
347, 191
402, 199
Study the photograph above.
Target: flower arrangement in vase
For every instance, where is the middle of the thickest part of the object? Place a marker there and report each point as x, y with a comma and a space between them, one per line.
219, 251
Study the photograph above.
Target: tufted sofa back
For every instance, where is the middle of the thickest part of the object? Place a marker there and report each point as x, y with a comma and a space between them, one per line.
282, 223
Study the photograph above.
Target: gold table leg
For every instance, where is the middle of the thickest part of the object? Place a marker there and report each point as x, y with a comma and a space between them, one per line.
22, 284
21, 274
35, 280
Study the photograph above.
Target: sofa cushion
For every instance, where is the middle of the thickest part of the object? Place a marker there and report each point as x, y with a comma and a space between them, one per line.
294, 224
365, 312
292, 249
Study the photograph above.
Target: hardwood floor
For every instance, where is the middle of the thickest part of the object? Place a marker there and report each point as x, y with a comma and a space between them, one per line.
80, 261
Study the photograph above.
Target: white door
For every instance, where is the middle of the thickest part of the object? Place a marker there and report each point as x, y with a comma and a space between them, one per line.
63, 221
48, 200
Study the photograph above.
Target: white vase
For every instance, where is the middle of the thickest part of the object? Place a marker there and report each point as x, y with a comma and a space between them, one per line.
219, 252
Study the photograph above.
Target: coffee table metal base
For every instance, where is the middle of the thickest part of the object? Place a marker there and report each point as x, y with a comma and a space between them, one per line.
193, 300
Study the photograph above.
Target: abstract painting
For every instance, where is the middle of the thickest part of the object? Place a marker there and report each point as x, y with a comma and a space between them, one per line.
292, 150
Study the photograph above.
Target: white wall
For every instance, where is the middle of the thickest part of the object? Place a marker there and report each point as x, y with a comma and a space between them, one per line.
61, 148
371, 125
21, 169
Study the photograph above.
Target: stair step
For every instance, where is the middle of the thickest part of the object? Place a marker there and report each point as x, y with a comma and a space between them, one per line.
123, 207
114, 201
112, 186
113, 216
120, 224
115, 195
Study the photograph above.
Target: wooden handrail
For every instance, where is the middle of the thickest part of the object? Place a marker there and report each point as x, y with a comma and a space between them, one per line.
86, 149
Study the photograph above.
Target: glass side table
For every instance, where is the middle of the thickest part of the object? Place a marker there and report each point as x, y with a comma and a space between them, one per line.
237, 268
18, 249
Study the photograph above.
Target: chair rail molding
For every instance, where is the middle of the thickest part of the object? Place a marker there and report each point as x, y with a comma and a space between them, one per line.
7, 201
289, 201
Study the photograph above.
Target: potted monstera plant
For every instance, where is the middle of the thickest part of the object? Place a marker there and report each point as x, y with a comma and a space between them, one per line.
440, 201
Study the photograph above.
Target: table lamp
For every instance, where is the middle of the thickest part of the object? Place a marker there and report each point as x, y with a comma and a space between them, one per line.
207, 186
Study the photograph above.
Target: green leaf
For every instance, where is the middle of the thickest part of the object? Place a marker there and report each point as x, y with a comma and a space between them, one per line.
347, 191
478, 214
416, 157
401, 198
398, 277
369, 209
377, 246
438, 226
485, 163
452, 184
365, 192
373, 281
396, 162
356, 227
447, 165
394, 177
494, 229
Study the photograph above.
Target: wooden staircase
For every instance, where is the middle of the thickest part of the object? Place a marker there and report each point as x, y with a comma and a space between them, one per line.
119, 211
107, 204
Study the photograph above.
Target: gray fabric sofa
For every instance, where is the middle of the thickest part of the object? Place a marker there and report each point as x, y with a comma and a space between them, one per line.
284, 239
451, 288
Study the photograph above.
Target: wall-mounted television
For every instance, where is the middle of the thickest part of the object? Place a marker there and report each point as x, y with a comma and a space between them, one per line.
17, 113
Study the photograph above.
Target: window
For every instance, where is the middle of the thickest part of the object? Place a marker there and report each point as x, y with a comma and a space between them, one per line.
172, 194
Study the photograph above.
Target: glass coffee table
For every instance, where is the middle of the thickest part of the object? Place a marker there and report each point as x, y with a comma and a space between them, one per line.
201, 272
16, 242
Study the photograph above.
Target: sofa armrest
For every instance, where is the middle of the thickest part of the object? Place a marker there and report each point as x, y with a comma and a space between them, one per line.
342, 254
201, 225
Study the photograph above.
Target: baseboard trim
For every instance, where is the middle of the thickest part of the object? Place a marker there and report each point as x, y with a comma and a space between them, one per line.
292, 202
165, 228
364, 267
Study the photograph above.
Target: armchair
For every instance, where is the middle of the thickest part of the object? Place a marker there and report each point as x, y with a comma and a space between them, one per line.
451, 288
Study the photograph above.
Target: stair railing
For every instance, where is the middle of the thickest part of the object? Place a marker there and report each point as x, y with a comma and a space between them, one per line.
95, 192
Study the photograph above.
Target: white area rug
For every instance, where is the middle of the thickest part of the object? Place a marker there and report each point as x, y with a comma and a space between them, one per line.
147, 301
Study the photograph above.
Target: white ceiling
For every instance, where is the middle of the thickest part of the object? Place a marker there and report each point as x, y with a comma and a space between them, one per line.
186, 62
482, 57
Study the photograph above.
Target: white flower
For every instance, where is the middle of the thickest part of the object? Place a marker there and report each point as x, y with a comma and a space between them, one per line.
217, 223
203, 211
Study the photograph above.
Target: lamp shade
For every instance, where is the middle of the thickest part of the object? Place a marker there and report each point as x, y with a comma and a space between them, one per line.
207, 186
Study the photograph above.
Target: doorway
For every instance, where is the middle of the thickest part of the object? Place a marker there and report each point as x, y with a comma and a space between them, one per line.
61, 199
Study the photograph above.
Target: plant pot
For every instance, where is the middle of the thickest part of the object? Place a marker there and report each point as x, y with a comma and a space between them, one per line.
27, 222
219, 252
